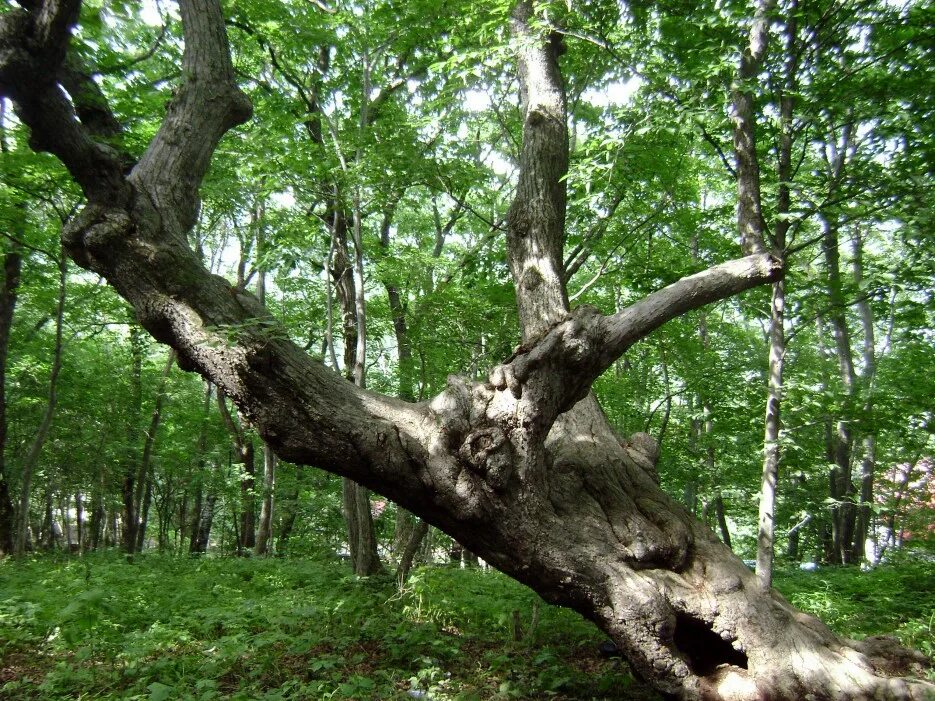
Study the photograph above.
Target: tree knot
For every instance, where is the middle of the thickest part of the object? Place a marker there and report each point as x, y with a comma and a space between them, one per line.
487, 451
95, 230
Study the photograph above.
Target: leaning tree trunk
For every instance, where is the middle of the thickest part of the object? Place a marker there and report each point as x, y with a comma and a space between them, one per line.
522, 468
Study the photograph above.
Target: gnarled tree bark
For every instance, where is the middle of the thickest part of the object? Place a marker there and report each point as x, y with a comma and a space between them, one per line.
523, 468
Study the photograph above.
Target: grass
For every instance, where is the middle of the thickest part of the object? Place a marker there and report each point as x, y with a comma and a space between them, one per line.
165, 628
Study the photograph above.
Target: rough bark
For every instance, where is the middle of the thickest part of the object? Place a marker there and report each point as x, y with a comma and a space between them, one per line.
522, 468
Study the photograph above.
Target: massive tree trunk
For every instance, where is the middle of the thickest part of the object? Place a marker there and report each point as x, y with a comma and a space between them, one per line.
523, 468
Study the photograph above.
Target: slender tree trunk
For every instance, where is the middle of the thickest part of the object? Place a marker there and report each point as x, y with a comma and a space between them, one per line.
862, 530
12, 266
772, 448
129, 485
247, 538
79, 522
265, 532
722, 519
143, 481
42, 433
143, 510
289, 510
263, 543
750, 222
845, 511
767, 518
63, 507
243, 444
203, 518
361, 534
196, 544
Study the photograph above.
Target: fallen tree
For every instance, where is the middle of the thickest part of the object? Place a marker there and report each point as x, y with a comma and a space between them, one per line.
523, 468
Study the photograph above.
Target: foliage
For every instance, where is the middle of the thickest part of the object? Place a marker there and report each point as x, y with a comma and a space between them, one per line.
165, 627
284, 629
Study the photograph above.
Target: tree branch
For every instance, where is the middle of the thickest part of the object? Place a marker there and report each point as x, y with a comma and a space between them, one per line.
553, 372
33, 45
206, 105
750, 219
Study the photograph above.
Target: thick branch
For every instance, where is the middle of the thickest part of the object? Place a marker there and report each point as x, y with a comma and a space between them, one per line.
749, 205
722, 281
206, 105
32, 49
536, 220
555, 371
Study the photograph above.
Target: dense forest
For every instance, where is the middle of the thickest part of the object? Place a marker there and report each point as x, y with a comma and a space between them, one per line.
633, 302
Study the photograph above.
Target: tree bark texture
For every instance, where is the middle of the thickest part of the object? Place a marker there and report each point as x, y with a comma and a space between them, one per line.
750, 220
522, 468
766, 527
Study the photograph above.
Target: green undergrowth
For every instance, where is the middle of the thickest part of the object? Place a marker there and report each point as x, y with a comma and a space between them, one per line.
165, 628
896, 599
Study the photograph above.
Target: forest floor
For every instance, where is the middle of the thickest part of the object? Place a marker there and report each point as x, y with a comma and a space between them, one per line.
221, 628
